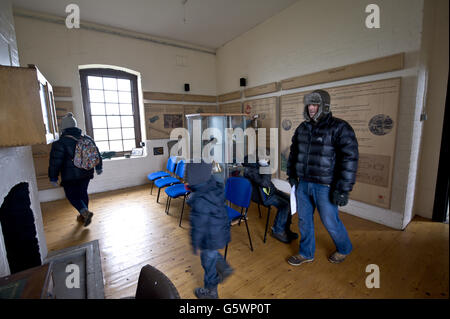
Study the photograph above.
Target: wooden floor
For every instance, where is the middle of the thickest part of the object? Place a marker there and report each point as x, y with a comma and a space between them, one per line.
133, 231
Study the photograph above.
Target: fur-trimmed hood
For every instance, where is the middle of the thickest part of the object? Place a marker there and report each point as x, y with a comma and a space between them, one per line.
320, 97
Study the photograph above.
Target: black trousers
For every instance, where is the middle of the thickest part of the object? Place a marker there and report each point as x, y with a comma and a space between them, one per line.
76, 193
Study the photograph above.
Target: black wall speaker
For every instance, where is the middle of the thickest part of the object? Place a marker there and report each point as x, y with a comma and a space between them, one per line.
243, 81
186, 87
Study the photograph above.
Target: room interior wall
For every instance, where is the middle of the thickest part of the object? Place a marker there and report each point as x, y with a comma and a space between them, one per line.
311, 36
307, 37
58, 52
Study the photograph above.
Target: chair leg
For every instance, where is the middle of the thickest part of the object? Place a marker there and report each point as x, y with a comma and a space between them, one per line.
267, 224
226, 250
159, 191
151, 189
182, 210
169, 200
248, 233
242, 216
165, 209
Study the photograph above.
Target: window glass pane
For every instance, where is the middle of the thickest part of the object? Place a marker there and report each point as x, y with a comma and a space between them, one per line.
124, 85
96, 96
99, 121
127, 121
124, 97
128, 145
112, 109
115, 134
100, 135
113, 121
116, 146
97, 109
111, 96
128, 133
110, 84
102, 146
95, 82
126, 109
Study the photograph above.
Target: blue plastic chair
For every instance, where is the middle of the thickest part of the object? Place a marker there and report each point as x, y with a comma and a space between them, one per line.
238, 191
171, 164
176, 191
169, 181
257, 197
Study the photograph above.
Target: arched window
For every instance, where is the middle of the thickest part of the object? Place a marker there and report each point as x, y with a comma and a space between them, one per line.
111, 109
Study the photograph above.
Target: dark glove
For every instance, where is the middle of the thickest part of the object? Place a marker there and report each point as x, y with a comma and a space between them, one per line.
293, 181
339, 198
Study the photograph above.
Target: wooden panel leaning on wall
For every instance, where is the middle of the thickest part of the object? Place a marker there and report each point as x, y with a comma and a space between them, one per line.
41, 152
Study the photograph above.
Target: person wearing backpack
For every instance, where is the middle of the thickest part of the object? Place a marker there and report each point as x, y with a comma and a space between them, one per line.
74, 156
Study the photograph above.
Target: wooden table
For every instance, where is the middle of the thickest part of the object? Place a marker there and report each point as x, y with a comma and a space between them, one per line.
33, 283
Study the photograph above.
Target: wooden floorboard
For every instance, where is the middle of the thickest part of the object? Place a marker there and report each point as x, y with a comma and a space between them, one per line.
133, 231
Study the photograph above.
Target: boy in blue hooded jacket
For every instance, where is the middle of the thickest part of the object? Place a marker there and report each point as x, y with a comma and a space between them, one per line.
210, 227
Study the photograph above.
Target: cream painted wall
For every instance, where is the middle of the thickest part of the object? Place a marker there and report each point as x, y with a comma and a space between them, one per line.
316, 35
58, 52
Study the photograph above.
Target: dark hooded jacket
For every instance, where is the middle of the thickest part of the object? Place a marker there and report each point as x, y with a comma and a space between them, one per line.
210, 227
258, 181
325, 152
61, 159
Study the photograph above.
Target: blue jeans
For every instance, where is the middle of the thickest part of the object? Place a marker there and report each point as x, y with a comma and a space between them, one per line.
76, 193
310, 196
282, 221
210, 260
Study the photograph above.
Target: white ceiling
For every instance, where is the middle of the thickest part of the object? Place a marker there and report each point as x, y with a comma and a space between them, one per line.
207, 23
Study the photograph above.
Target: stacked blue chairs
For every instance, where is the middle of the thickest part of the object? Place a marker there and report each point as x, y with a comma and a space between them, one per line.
169, 181
171, 164
238, 191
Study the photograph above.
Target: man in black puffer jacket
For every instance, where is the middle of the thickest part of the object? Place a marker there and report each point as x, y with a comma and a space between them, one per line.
210, 226
322, 165
74, 180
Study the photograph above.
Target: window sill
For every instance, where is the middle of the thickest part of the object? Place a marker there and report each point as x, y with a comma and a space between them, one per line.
123, 158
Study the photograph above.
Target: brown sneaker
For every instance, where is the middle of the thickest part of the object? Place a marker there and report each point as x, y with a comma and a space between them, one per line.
87, 215
297, 260
80, 218
336, 258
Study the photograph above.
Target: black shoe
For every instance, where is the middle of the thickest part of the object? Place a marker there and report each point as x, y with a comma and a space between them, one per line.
281, 237
224, 271
291, 235
224, 274
205, 293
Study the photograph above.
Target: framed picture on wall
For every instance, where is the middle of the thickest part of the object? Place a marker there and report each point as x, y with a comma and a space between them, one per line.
158, 151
